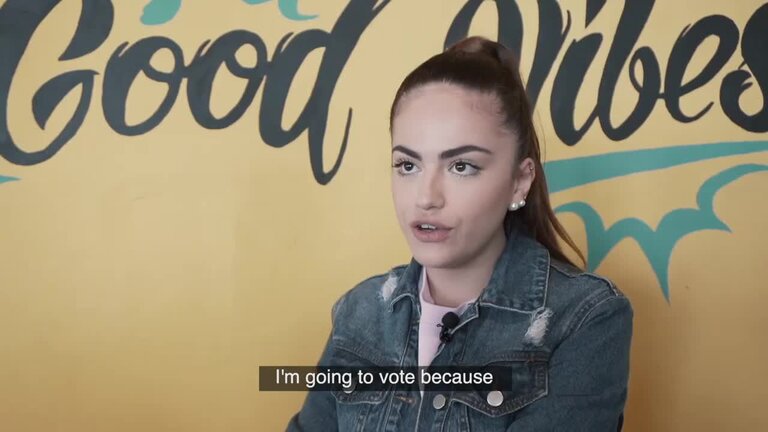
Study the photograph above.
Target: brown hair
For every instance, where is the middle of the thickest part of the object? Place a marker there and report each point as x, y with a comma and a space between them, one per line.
483, 65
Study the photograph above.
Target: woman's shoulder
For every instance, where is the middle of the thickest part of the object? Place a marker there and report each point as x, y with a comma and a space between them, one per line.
370, 293
583, 294
566, 274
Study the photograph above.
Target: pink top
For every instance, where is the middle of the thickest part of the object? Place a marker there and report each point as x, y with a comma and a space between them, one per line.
431, 316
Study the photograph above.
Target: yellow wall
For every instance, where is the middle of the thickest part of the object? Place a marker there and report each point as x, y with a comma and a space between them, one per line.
143, 279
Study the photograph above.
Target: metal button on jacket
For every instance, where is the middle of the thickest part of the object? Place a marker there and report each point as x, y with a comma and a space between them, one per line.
438, 402
495, 398
350, 388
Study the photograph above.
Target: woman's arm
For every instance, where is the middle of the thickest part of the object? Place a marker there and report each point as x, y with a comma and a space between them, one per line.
319, 410
588, 374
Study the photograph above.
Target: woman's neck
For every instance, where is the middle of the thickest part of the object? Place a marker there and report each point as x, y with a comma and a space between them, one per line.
452, 287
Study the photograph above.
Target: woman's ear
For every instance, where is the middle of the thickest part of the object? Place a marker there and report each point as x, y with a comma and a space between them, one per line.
523, 179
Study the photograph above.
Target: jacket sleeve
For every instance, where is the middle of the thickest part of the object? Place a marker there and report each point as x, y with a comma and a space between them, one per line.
588, 374
319, 410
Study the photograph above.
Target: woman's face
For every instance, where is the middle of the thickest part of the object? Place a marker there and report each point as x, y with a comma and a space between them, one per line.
452, 168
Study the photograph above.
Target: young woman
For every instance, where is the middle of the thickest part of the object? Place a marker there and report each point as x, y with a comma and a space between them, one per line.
472, 202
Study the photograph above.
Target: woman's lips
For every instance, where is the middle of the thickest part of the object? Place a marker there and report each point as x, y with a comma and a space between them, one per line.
431, 236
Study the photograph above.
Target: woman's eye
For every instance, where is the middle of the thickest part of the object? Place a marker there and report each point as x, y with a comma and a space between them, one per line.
405, 167
465, 168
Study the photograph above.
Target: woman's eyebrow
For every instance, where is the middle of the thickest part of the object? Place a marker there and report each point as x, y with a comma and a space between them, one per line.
444, 155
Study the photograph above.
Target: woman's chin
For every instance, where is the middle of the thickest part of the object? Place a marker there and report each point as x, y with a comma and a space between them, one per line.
432, 258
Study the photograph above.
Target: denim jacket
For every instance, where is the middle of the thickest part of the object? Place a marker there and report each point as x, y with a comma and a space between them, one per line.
565, 332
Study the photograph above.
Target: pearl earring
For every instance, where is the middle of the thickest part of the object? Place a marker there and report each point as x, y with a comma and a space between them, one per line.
516, 205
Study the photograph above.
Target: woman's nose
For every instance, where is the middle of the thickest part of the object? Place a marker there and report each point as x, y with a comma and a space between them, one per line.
430, 193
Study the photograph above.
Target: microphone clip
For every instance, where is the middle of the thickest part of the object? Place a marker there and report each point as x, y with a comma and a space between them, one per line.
450, 321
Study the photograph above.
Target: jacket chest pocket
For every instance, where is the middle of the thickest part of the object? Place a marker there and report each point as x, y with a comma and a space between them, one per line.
519, 379
358, 410
358, 407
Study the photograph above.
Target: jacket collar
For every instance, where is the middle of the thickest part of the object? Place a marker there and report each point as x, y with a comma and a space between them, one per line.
518, 281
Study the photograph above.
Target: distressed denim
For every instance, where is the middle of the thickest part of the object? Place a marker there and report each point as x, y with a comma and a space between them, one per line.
566, 334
